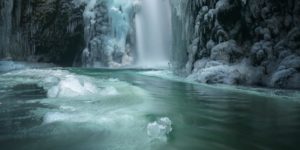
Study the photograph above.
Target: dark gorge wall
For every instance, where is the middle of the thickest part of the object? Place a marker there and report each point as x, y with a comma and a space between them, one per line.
238, 41
87, 33
41, 30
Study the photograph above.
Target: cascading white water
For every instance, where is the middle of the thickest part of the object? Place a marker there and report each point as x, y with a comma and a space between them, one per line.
153, 33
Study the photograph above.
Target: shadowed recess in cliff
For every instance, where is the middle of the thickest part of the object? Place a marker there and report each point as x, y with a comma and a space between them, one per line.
41, 31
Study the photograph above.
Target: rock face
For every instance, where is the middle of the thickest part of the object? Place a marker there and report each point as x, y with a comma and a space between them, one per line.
41, 30
238, 41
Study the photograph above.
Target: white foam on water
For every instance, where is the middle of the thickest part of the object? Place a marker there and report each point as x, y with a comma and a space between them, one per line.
158, 73
52, 117
114, 120
114, 107
160, 129
113, 80
123, 127
109, 91
67, 108
164, 74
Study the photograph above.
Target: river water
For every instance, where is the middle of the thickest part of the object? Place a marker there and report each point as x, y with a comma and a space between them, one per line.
130, 109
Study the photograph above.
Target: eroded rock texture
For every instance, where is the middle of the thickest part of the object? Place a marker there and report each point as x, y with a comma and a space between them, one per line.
41, 30
238, 41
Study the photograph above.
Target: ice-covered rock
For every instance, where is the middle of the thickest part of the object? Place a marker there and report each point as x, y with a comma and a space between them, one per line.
228, 52
288, 78
229, 31
292, 61
214, 72
192, 50
293, 40
261, 51
287, 74
217, 74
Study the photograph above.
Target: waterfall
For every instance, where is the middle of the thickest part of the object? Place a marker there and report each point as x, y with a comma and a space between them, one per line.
153, 33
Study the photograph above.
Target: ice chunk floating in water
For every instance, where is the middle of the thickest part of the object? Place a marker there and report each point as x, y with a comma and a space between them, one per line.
160, 129
72, 87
